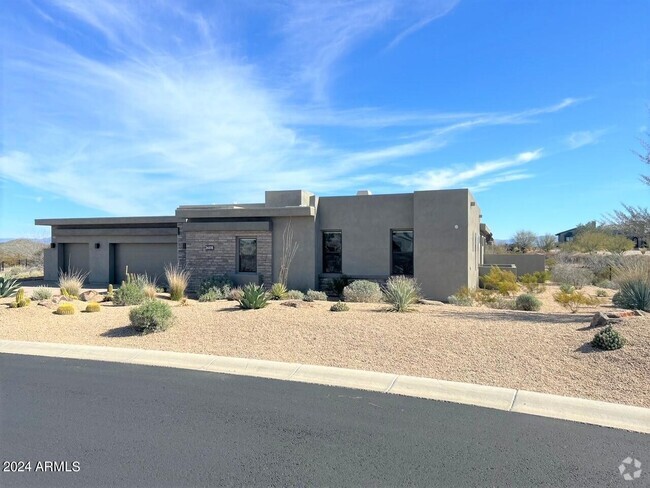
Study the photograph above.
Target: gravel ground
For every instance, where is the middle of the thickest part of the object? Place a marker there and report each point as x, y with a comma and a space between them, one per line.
546, 351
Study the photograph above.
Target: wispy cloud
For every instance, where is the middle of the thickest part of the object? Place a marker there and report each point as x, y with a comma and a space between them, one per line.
160, 115
462, 175
584, 138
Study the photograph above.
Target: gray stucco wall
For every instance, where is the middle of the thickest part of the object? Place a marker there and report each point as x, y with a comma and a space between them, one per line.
441, 241
525, 263
302, 272
366, 223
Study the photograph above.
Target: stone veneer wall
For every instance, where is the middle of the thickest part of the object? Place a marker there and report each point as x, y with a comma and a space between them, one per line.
204, 263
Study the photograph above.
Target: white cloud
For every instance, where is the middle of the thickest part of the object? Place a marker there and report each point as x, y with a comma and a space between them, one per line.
584, 138
460, 176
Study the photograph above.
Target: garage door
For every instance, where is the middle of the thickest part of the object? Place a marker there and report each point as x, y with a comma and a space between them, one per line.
76, 257
143, 258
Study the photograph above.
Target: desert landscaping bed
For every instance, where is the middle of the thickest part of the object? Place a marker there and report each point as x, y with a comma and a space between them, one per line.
546, 351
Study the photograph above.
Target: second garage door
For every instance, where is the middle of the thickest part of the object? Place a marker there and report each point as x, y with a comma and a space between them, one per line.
143, 258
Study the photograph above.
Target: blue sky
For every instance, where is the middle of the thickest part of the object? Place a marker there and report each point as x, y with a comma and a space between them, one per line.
132, 108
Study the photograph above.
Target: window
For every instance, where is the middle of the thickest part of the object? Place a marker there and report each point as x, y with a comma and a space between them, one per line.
402, 252
247, 255
332, 251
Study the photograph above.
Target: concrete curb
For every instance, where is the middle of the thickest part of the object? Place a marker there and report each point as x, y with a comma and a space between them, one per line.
605, 414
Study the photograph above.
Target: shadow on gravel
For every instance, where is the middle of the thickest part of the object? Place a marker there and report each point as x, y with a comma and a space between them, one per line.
587, 348
230, 309
517, 316
125, 331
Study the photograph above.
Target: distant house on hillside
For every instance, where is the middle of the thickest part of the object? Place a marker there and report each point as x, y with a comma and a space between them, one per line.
566, 235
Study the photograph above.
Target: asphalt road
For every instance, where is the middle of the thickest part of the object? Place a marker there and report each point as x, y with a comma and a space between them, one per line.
130, 425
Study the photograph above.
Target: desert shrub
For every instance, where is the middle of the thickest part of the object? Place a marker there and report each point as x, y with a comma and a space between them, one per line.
71, 282
362, 291
177, 280
8, 287
462, 298
608, 339
150, 291
212, 295
235, 294
278, 291
610, 285
338, 284
42, 293
221, 282
531, 283
401, 292
572, 275
600, 240
308, 298
129, 294
566, 288
253, 297
501, 280
339, 307
151, 316
502, 303
295, 295
316, 295
93, 307
601, 293
573, 299
633, 295
542, 276
528, 303
65, 309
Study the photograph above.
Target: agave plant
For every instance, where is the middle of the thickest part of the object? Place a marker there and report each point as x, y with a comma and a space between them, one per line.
253, 297
8, 287
634, 294
278, 291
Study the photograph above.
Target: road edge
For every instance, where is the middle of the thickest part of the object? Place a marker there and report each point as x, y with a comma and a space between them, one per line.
593, 412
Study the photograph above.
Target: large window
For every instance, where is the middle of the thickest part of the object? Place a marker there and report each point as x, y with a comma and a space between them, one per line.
402, 252
332, 251
247, 255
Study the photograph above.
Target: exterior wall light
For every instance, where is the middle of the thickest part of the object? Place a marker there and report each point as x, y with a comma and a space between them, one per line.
97, 245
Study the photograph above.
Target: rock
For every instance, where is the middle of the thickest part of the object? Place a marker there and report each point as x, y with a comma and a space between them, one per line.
297, 304
91, 296
424, 301
52, 303
599, 319
639, 313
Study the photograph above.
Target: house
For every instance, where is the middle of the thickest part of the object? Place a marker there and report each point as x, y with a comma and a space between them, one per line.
435, 236
566, 235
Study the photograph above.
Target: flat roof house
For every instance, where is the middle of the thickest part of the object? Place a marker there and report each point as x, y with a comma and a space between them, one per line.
435, 236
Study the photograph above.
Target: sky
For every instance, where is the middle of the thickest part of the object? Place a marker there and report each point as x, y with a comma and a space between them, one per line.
118, 108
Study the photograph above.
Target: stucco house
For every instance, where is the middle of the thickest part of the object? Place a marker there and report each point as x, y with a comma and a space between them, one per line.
435, 236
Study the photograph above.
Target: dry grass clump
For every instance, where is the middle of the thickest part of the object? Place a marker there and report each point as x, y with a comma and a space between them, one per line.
177, 280
71, 282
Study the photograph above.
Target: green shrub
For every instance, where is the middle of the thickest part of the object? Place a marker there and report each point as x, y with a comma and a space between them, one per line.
572, 275
253, 297
295, 295
542, 276
402, 293
339, 307
66, 309
501, 280
464, 297
573, 299
177, 280
531, 283
608, 339
129, 294
222, 282
278, 291
633, 295
601, 293
212, 295
8, 287
338, 284
71, 282
610, 285
362, 291
93, 307
316, 295
502, 303
42, 293
152, 316
528, 303
566, 288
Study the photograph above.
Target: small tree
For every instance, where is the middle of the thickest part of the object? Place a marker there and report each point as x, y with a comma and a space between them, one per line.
289, 249
524, 240
546, 242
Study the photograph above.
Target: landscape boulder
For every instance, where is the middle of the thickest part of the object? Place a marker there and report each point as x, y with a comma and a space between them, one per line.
91, 296
601, 319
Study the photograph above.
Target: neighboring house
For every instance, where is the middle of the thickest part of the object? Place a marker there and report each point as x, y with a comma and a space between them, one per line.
566, 235
435, 236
